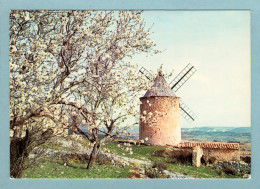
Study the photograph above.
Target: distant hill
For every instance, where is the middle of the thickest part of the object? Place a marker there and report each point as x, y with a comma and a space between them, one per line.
220, 134
225, 134
219, 129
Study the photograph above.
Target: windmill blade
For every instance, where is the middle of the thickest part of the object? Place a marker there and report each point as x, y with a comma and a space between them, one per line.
187, 113
147, 74
182, 77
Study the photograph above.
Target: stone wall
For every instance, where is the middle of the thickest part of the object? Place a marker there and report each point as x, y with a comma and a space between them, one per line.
219, 151
160, 120
222, 154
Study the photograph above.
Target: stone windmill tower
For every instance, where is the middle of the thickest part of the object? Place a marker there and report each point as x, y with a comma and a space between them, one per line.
160, 114
161, 109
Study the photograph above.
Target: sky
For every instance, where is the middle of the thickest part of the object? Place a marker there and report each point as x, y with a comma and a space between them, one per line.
217, 44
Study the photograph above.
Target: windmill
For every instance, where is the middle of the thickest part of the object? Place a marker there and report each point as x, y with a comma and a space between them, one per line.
175, 85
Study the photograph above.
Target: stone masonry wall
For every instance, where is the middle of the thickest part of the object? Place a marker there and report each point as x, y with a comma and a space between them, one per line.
160, 120
222, 154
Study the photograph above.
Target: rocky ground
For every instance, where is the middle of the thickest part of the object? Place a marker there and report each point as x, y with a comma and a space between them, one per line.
233, 166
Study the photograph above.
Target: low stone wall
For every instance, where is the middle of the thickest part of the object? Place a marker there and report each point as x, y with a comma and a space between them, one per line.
222, 154
219, 151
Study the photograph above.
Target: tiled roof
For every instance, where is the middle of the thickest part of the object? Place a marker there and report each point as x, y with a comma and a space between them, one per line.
160, 87
214, 145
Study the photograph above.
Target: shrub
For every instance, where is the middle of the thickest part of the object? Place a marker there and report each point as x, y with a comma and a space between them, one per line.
180, 156
161, 166
103, 161
229, 170
162, 153
220, 173
244, 170
175, 156
153, 173
76, 158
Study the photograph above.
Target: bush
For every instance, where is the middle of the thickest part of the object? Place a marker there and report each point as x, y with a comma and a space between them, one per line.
221, 173
153, 173
76, 158
229, 170
161, 166
103, 161
162, 153
244, 170
175, 156
180, 157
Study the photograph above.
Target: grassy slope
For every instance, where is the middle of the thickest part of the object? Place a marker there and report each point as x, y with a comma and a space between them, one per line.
47, 168
53, 169
139, 152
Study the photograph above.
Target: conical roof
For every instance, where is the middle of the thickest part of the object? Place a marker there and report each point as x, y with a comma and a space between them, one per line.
160, 87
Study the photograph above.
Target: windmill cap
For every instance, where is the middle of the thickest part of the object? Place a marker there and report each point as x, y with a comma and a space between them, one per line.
160, 87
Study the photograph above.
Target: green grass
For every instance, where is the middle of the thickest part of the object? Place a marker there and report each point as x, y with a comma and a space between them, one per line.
53, 146
139, 152
50, 168
53, 169
198, 172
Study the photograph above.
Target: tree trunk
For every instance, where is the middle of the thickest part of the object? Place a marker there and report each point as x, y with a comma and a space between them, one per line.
93, 155
18, 155
20, 149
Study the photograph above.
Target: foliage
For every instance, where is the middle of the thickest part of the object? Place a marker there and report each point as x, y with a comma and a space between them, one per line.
229, 170
74, 158
69, 69
175, 156
160, 165
236, 169
103, 161
63, 59
153, 173
162, 153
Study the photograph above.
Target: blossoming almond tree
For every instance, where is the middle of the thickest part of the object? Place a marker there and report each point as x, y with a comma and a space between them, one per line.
72, 61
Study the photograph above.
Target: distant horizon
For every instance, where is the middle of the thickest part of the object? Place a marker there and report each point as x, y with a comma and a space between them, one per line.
135, 129
216, 126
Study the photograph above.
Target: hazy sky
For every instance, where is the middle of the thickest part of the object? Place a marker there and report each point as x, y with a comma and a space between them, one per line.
217, 43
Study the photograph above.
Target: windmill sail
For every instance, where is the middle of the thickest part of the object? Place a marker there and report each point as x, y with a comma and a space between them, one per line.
182, 77
147, 74
186, 112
